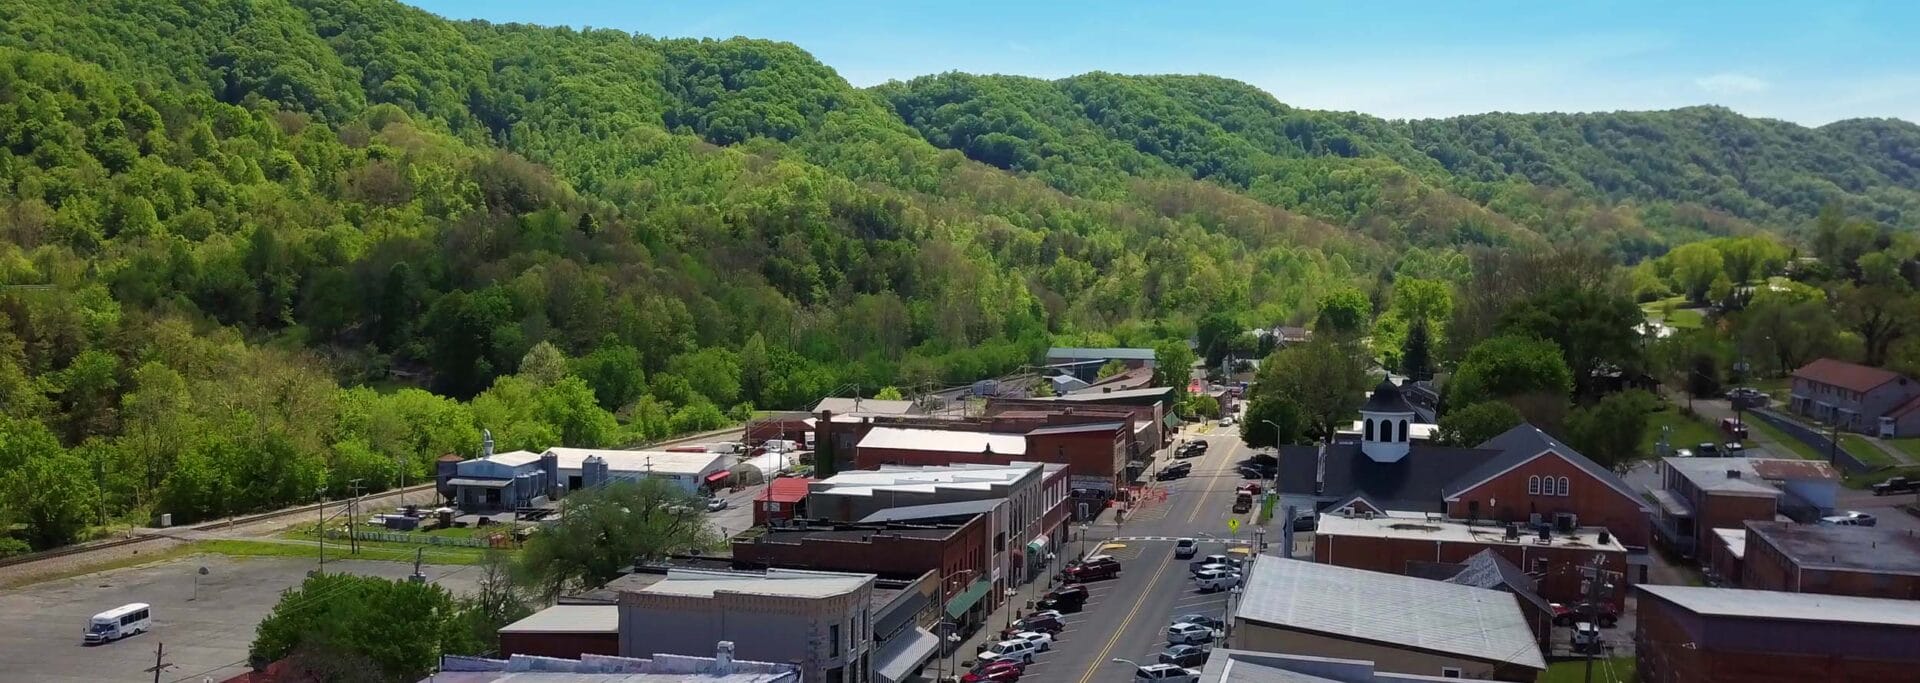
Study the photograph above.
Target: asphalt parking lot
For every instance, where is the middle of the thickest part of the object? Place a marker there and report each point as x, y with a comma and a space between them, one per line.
206, 631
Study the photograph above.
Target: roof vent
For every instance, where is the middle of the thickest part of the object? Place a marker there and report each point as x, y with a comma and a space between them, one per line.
1367, 515
1513, 531
723, 658
1733, 474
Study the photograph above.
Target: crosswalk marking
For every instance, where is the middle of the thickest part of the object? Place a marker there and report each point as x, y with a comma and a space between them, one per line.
1228, 541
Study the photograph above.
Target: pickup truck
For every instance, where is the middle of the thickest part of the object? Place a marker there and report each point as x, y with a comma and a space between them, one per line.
1243, 501
1896, 485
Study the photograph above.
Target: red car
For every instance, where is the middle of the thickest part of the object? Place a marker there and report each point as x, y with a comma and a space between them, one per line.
995, 672
1094, 569
1564, 615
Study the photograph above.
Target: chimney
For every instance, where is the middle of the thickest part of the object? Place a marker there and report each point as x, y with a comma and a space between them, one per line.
486, 443
723, 658
1320, 472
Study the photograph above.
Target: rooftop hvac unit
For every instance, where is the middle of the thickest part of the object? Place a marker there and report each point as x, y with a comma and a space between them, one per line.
1566, 522
1513, 531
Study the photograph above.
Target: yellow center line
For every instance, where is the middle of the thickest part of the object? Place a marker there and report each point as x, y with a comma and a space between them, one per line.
1199, 500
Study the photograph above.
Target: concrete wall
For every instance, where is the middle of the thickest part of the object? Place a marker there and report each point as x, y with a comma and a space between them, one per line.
1596, 503
1263, 638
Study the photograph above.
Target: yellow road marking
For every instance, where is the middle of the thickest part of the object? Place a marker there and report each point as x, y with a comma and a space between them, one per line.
1128, 621
1165, 562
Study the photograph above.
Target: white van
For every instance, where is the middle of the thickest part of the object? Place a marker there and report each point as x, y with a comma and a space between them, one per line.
119, 622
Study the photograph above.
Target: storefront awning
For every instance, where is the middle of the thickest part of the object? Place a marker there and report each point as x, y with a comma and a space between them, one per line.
902, 655
718, 476
968, 598
489, 483
1038, 544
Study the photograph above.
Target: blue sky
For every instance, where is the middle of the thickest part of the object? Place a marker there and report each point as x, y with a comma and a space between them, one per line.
1809, 62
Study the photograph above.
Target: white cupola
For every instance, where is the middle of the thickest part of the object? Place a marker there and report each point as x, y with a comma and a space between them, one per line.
1383, 424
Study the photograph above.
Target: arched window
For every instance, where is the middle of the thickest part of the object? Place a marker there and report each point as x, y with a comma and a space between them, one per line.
1369, 429
1386, 431
1565, 488
1533, 485
1403, 430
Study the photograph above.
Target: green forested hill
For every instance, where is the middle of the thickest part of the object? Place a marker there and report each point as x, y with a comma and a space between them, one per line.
254, 247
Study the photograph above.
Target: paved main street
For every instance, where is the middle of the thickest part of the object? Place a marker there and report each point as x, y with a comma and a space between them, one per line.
1127, 617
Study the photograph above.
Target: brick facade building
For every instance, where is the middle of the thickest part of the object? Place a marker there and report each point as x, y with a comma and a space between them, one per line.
898, 551
1402, 544
1687, 634
1872, 562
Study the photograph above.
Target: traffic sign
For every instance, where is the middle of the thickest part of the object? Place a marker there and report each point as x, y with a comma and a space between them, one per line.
1233, 525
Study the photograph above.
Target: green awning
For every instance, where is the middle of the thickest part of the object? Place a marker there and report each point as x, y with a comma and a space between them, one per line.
968, 598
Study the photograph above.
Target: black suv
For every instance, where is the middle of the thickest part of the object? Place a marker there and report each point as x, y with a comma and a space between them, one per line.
1178, 470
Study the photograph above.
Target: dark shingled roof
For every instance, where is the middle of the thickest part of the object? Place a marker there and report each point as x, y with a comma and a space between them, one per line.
1386, 398
1487, 569
1413, 484
1521, 444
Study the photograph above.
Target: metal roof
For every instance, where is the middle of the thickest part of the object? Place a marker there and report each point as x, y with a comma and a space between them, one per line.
1416, 482
665, 462
1777, 605
1105, 352
1097, 393
936, 510
1079, 428
1386, 398
513, 458
474, 481
1389, 610
871, 406
569, 619
912, 439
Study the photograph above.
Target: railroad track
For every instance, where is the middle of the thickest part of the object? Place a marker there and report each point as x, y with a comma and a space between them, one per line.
250, 520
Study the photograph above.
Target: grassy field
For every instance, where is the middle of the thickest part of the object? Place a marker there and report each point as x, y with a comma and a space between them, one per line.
368, 551
1615, 670
1865, 452
1793, 446
1687, 432
1911, 447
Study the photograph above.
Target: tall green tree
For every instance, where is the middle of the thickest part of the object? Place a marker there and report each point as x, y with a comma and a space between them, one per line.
1173, 366
1596, 330
1529, 373
54, 495
1416, 360
606, 529
1324, 379
1271, 421
1610, 431
1472, 425
340, 625
1343, 312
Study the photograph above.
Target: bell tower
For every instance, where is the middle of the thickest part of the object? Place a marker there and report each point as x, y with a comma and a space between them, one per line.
1384, 422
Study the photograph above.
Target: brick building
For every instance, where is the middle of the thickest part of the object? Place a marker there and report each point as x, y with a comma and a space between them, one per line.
1869, 562
1096, 452
1687, 634
564, 631
1523, 476
1401, 543
1700, 495
889, 550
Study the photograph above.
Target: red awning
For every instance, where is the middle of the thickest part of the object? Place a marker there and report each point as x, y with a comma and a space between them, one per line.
718, 476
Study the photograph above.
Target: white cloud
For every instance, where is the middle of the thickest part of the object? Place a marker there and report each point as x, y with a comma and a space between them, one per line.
1732, 84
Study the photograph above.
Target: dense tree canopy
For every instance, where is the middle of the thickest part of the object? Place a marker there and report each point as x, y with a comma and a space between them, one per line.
256, 248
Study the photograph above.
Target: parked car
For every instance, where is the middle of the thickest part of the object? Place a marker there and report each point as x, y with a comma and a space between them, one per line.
1567, 615
1018, 650
1683, 453
1707, 449
716, 504
1212, 562
1042, 641
1072, 591
1226, 421
1000, 671
1189, 634
1200, 619
1249, 487
1094, 569
1178, 470
1850, 518
1185, 548
1035, 622
1211, 580
1733, 427
1896, 485
1186, 656
1165, 673
1069, 599
1585, 637
1732, 447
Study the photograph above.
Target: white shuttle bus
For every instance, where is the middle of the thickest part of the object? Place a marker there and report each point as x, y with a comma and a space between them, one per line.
119, 622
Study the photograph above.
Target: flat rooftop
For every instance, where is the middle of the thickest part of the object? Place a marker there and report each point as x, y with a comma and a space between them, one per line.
1872, 549
945, 440
706, 583
1736, 540
791, 535
569, 619
924, 479
671, 462
1783, 606
1711, 475
1418, 527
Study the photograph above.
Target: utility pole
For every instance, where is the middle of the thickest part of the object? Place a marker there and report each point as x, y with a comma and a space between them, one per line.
353, 501
321, 529
159, 664
1597, 583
